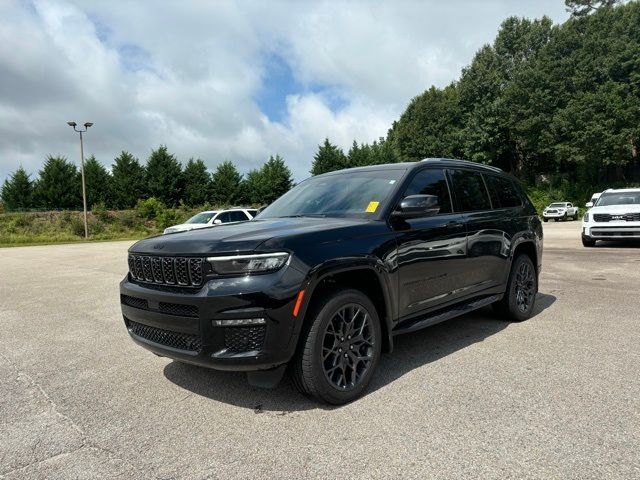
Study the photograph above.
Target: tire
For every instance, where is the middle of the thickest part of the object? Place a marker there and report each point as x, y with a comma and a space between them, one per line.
588, 241
520, 296
556, 219
575, 217
565, 218
545, 219
329, 334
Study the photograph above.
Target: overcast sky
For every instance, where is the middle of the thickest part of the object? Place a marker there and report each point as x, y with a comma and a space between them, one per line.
226, 80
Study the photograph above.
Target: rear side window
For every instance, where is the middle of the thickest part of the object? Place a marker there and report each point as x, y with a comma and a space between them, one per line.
237, 216
503, 192
470, 192
431, 182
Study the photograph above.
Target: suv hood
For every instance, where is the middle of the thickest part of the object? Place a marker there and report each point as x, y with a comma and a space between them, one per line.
242, 237
187, 226
615, 209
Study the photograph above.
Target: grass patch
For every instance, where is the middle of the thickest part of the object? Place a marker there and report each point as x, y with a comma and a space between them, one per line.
45, 228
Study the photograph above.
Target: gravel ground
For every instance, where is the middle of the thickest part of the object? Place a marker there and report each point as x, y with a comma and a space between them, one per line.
557, 396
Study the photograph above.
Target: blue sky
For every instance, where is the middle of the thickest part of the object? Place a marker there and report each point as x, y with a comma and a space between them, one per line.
226, 80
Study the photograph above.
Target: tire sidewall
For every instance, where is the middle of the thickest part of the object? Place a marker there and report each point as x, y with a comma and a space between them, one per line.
325, 389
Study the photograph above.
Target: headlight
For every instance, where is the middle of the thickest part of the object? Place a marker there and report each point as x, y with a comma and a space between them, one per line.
246, 264
586, 217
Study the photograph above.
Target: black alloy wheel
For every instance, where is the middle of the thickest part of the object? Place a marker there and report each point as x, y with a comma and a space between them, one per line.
348, 347
525, 286
522, 287
339, 348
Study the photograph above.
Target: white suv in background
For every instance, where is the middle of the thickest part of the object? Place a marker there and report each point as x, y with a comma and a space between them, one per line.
560, 211
214, 217
615, 216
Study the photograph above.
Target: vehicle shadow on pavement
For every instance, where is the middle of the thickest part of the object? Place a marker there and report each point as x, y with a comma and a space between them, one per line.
411, 351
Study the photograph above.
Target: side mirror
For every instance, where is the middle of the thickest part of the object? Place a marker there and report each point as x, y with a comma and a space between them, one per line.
415, 206
217, 222
588, 204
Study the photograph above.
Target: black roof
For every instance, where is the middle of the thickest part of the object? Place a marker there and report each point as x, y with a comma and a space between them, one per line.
443, 162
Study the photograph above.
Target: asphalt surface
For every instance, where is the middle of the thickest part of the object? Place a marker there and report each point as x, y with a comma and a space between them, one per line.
557, 396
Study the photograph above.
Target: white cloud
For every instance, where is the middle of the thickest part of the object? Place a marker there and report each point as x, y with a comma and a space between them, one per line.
186, 74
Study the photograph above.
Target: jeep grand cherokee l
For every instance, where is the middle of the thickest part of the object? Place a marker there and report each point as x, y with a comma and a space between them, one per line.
324, 278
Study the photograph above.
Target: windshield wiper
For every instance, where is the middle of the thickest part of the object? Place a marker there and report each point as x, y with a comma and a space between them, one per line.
312, 215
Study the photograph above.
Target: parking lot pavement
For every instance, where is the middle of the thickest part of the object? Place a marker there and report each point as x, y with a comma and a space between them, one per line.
557, 396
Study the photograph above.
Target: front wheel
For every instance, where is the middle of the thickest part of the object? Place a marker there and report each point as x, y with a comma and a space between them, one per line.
588, 241
520, 297
340, 349
544, 220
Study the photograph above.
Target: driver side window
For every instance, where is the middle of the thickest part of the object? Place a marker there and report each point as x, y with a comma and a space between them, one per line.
431, 182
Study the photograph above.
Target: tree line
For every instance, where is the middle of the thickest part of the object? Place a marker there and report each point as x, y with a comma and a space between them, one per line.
58, 185
542, 101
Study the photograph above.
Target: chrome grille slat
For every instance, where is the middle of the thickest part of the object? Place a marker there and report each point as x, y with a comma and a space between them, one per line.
180, 271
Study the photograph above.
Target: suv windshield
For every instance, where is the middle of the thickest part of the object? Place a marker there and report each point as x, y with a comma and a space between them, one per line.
558, 205
359, 194
203, 217
619, 198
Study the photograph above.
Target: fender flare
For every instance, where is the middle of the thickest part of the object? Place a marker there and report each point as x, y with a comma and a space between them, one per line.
344, 265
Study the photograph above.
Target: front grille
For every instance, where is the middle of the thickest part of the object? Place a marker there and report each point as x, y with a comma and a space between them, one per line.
163, 307
177, 309
180, 341
180, 271
606, 217
134, 302
244, 339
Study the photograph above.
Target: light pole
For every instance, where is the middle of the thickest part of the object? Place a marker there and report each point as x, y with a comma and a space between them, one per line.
84, 188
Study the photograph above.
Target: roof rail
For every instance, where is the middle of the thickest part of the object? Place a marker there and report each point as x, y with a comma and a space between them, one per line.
466, 162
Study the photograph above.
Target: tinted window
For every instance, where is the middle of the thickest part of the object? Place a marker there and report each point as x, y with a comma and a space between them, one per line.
224, 217
470, 192
237, 216
503, 192
253, 213
355, 193
431, 182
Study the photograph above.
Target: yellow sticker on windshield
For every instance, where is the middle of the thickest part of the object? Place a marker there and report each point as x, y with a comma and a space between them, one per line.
372, 207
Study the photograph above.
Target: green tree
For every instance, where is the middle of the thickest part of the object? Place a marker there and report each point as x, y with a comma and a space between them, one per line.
358, 155
196, 182
58, 185
98, 182
430, 126
226, 184
328, 159
164, 176
276, 179
265, 185
17, 190
580, 8
128, 182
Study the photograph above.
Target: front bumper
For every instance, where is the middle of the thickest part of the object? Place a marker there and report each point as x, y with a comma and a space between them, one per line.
179, 323
551, 215
612, 231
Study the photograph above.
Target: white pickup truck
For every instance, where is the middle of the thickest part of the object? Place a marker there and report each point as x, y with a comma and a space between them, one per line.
560, 211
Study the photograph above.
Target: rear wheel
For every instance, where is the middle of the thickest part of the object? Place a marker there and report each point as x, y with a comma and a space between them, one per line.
520, 297
340, 350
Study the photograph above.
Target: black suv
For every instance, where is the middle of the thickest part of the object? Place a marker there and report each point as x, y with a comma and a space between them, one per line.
325, 277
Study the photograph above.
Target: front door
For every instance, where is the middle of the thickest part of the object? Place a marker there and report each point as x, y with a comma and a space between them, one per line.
431, 250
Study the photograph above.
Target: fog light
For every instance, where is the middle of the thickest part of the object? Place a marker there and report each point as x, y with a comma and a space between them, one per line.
239, 322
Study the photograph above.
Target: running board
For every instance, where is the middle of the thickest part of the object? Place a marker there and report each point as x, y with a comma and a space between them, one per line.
442, 315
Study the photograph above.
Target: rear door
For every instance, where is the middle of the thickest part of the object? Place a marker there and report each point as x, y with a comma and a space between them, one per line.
485, 226
431, 250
